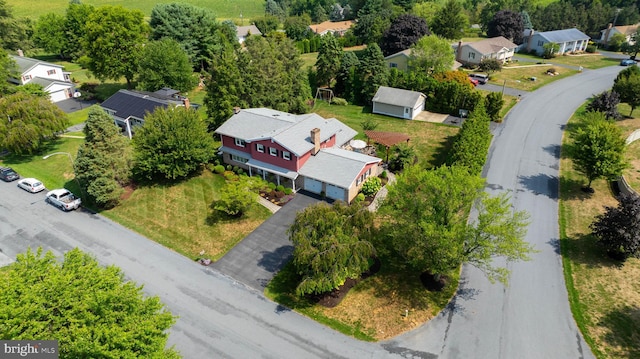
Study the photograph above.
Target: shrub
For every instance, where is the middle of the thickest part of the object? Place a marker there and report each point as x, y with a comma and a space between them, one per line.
235, 169
339, 101
272, 186
229, 167
230, 176
371, 186
591, 49
383, 174
552, 70
360, 197
494, 103
218, 169
288, 191
280, 188
240, 171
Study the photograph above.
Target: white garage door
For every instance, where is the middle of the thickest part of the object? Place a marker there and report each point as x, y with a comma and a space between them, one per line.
312, 185
335, 192
58, 96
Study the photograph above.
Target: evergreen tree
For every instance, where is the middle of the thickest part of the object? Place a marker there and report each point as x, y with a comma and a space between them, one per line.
328, 62
346, 78
450, 21
224, 89
373, 73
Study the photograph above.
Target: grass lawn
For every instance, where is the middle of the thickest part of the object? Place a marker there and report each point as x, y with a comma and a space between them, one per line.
604, 296
586, 60
375, 308
432, 141
519, 76
180, 216
223, 9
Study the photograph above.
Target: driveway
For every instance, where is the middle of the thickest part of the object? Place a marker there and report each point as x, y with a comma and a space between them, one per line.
260, 255
74, 104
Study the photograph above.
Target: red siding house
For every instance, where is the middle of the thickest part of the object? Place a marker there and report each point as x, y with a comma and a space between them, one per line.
298, 151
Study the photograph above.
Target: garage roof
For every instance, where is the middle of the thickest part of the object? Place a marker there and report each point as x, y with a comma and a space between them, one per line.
336, 166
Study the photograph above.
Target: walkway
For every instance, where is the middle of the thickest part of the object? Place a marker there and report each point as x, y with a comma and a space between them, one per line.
259, 256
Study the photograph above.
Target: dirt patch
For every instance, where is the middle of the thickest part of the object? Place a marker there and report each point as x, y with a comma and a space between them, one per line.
128, 191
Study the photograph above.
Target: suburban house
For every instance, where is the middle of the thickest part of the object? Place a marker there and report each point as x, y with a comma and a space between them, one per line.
398, 102
472, 53
338, 28
50, 76
242, 32
128, 107
627, 31
297, 151
400, 61
569, 40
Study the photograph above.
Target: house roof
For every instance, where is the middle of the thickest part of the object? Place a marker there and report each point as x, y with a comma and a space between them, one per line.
561, 36
25, 64
627, 29
289, 130
242, 31
331, 26
45, 83
127, 103
397, 97
336, 166
492, 45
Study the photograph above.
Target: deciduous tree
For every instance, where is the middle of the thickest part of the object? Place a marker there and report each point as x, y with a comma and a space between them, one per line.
607, 103
165, 64
331, 244
49, 33
93, 312
238, 195
28, 121
494, 102
104, 160
431, 54
618, 228
171, 144
8, 69
598, 148
76, 16
490, 65
404, 31
425, 222
113, 42
508, 24
627, 85
450, 21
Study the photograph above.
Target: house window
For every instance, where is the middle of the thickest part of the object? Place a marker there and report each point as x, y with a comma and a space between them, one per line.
240, 143
286, 155
273, 151
540, 43
51, 72
472, 55
260, 147
393, 65
239, 159
26, 77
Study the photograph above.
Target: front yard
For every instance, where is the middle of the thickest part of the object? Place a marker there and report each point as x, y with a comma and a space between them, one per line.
604, 296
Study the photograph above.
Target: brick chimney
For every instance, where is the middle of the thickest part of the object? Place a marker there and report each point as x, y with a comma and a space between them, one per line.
186, 103
529, 41
236, 110
20, 53
315, 139
607, 32
459, 51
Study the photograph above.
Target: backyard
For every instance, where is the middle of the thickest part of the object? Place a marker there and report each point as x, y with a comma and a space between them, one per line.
604, 296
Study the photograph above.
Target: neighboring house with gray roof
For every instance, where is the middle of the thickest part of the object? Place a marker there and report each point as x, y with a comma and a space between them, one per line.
242, 32
472, 53
128, 108
50, 76
568, 40
398, 102
297, 151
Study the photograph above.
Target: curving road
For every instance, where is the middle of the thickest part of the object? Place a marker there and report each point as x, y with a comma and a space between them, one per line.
220, 318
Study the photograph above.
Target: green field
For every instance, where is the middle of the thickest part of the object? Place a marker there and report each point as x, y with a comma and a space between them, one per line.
223, 9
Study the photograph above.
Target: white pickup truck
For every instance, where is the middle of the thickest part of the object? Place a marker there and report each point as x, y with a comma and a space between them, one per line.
63, 199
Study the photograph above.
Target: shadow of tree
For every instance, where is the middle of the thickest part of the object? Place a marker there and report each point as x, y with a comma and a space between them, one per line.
585, 249
441, 151
622, 326
541, 184
272, 261
572, 189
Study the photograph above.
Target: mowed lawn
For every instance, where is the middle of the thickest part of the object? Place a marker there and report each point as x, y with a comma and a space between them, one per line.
604, 296
223, 9
431, 141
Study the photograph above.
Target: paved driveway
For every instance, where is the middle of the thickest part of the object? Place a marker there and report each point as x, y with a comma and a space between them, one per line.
256, 259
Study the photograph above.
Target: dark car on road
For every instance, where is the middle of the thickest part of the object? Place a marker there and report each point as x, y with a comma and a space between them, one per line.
7, 174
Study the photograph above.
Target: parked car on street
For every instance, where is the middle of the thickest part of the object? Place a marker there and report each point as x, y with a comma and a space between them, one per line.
63, 199
7, 174
473, 81
482, 78
627, 62
31, 185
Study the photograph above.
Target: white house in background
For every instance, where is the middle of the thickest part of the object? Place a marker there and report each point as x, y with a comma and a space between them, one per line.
569, 40
297, 151
338, 28
398, 102
242, 32
627, 31
50, 76
472, 53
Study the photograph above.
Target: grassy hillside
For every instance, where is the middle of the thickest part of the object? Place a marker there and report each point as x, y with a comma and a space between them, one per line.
224, 9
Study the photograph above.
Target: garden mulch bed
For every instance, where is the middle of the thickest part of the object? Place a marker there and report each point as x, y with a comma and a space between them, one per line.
333, 298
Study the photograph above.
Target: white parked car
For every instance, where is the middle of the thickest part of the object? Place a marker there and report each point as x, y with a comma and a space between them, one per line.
31, 185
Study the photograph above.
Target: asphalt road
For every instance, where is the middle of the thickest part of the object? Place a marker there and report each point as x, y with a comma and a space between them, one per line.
221, 318
531, 318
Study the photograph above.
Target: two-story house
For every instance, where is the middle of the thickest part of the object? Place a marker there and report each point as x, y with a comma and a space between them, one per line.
297, 151
56, 82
